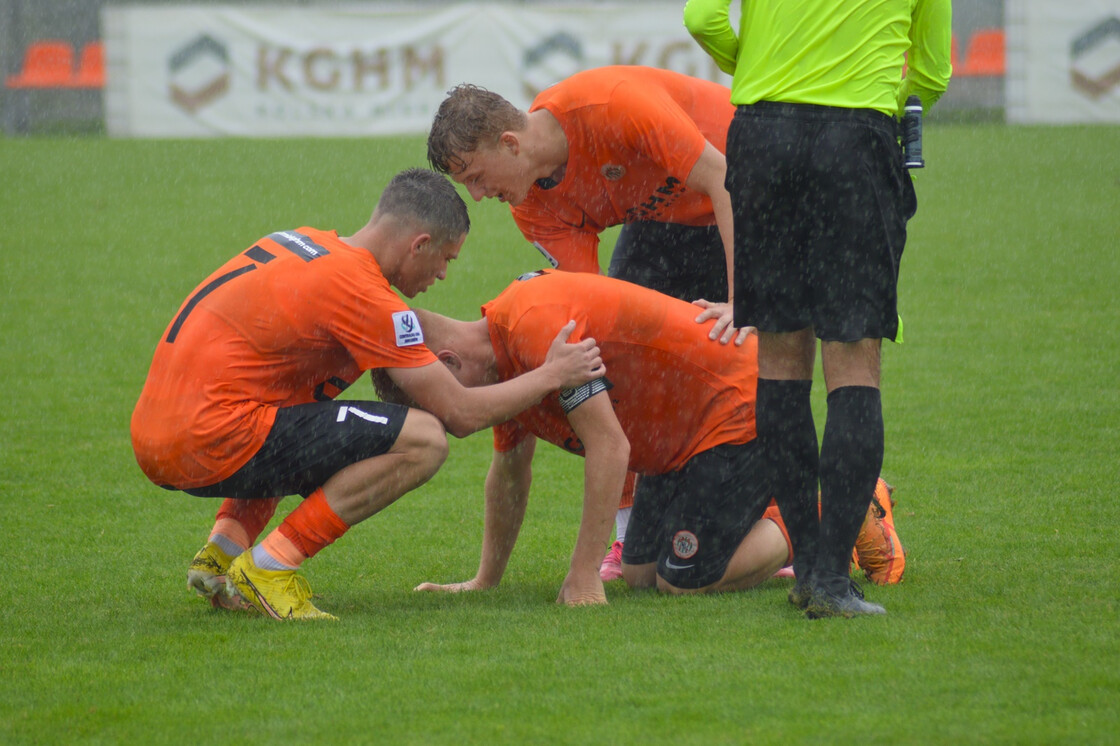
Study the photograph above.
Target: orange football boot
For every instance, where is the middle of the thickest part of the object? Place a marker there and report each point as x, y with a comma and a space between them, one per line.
878, 550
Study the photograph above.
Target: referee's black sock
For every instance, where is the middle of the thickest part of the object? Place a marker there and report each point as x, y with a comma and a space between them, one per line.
788, 438
850, 461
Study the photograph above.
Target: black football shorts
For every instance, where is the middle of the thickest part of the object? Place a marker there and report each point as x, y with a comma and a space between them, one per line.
309, 444
691, 521
821, 201
684, 261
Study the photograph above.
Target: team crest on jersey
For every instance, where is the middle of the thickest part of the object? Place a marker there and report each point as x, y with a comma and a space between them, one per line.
685, 544
613, 171
408, 330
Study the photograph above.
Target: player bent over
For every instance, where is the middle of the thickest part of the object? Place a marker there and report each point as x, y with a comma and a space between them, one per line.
677, 408
239, 400
619, 145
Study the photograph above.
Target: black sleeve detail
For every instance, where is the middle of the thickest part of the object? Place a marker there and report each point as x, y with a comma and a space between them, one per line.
257, 254
572, 398
321, 390
197, 298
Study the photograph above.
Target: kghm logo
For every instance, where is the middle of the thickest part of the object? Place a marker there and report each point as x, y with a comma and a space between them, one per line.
553, 58
1095, 59
198, 73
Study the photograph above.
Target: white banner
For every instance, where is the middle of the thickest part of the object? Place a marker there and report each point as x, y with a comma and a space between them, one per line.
1063, 61
196, 71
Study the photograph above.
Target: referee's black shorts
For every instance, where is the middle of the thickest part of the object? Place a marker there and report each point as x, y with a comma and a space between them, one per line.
821, 201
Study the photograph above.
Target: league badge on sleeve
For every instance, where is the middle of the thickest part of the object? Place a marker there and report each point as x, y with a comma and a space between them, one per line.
408, 330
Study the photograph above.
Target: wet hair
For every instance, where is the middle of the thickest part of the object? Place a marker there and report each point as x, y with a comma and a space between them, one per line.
429, 199
387, 390
470, 117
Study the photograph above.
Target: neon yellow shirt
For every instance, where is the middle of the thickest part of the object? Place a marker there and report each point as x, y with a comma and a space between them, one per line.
844, 53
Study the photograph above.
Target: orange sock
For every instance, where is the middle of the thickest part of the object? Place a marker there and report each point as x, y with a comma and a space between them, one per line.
280, 549
312, 525
241, 521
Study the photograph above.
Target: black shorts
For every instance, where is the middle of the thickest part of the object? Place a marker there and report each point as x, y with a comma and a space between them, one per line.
684, 261
309, 444
821, 201
691, 521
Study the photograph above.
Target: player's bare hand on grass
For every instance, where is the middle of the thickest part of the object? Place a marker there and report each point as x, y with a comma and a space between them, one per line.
724, 328
464, 587
575, 363
586, 592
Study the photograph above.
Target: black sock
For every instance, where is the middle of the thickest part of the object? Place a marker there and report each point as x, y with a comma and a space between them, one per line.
788, 439
850, 461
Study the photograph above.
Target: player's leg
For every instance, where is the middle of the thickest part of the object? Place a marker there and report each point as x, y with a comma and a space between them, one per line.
766, 177
764, 551
611, 566
866, 201
351, 459
788, 435
706, 526
645, 533
236, 527
364, 488
851, 459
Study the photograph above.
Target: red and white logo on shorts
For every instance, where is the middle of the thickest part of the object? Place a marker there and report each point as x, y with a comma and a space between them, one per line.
685, 544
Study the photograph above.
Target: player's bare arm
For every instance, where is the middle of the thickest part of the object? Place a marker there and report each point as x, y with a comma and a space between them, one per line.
507, 494
707, 177
467, 410
606, 459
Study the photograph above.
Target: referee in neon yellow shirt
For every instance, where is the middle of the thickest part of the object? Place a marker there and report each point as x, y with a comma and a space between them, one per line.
821, 201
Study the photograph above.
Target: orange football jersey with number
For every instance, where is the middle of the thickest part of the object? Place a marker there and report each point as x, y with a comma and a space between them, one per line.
294, 319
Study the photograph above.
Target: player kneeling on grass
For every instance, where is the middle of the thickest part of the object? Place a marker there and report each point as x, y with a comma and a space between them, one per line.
677, 408
238, 401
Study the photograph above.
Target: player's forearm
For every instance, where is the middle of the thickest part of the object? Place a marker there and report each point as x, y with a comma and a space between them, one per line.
721, 203
604, 477
709, 23
479, 408
507, 494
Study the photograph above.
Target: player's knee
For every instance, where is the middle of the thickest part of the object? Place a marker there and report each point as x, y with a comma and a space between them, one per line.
663, 586
640, 576
423, 440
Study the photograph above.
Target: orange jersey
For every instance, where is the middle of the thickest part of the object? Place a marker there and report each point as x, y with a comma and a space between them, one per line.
675, 392
634, 134
294, 319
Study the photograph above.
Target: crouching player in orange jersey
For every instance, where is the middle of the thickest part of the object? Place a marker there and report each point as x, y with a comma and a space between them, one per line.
675, 407
239, 402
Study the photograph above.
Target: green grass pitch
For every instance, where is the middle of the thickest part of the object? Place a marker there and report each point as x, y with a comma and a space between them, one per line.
1003, 432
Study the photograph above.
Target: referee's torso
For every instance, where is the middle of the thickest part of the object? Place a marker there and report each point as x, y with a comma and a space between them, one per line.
849, 54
